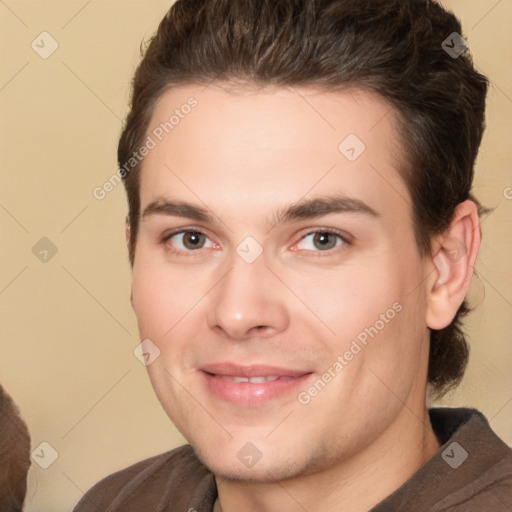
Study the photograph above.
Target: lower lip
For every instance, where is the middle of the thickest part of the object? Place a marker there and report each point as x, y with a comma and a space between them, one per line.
251, 394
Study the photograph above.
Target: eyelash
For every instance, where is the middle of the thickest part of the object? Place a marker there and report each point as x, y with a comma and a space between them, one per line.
343, 237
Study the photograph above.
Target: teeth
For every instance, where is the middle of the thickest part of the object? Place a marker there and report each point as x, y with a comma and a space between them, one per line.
239, 379
253, 380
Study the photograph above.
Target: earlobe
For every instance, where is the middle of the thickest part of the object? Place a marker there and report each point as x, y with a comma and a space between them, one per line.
454, 262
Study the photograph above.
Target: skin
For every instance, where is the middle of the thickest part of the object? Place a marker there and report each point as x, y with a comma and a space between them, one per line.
245, 156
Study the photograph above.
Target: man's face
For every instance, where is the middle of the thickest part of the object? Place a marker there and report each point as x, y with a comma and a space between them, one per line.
277, 273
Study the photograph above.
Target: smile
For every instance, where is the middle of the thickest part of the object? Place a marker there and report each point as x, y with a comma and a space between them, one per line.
252, 386
255, 380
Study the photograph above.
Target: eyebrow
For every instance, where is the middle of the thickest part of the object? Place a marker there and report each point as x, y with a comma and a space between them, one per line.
164, 206
320, 206
302, 210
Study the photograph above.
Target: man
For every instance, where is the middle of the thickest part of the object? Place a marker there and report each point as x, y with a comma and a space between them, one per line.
302, 238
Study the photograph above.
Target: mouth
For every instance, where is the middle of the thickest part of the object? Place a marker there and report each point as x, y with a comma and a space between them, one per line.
252, 386
253, 380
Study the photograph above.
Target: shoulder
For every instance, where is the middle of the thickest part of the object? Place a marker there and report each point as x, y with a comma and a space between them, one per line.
471, 471
174, 479
477, 461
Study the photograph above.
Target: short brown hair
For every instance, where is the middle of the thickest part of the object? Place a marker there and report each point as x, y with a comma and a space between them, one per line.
393, 48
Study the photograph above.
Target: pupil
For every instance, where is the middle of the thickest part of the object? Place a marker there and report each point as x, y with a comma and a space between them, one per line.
193, 240
325, 240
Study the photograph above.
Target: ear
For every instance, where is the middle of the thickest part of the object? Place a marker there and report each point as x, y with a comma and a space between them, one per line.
127, 235
127, 231
454, 260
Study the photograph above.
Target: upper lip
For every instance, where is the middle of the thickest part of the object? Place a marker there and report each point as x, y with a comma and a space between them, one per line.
257, 370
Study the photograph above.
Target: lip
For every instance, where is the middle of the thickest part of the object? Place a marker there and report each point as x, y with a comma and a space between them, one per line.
217, 378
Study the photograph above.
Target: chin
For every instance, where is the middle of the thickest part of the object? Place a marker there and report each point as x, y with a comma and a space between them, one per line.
260, 473
228, 463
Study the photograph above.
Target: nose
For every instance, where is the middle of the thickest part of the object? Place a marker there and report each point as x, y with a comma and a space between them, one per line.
248, 302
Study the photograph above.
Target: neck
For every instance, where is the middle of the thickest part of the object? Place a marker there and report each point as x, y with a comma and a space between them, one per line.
354, 485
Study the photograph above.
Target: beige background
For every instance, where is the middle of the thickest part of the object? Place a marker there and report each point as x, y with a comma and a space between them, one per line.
68, 332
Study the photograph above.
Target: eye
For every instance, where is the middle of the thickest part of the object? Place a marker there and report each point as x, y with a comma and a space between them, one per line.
189, 241
320, 241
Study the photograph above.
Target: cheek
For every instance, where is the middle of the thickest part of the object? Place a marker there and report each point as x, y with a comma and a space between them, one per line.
392, 335
150, 298
346, 301
156, 301
162, 297
373, 310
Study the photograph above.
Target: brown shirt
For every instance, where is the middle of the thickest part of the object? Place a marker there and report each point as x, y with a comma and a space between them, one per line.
471, 472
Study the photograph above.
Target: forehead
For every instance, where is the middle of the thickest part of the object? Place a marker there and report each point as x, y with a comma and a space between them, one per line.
251, 146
